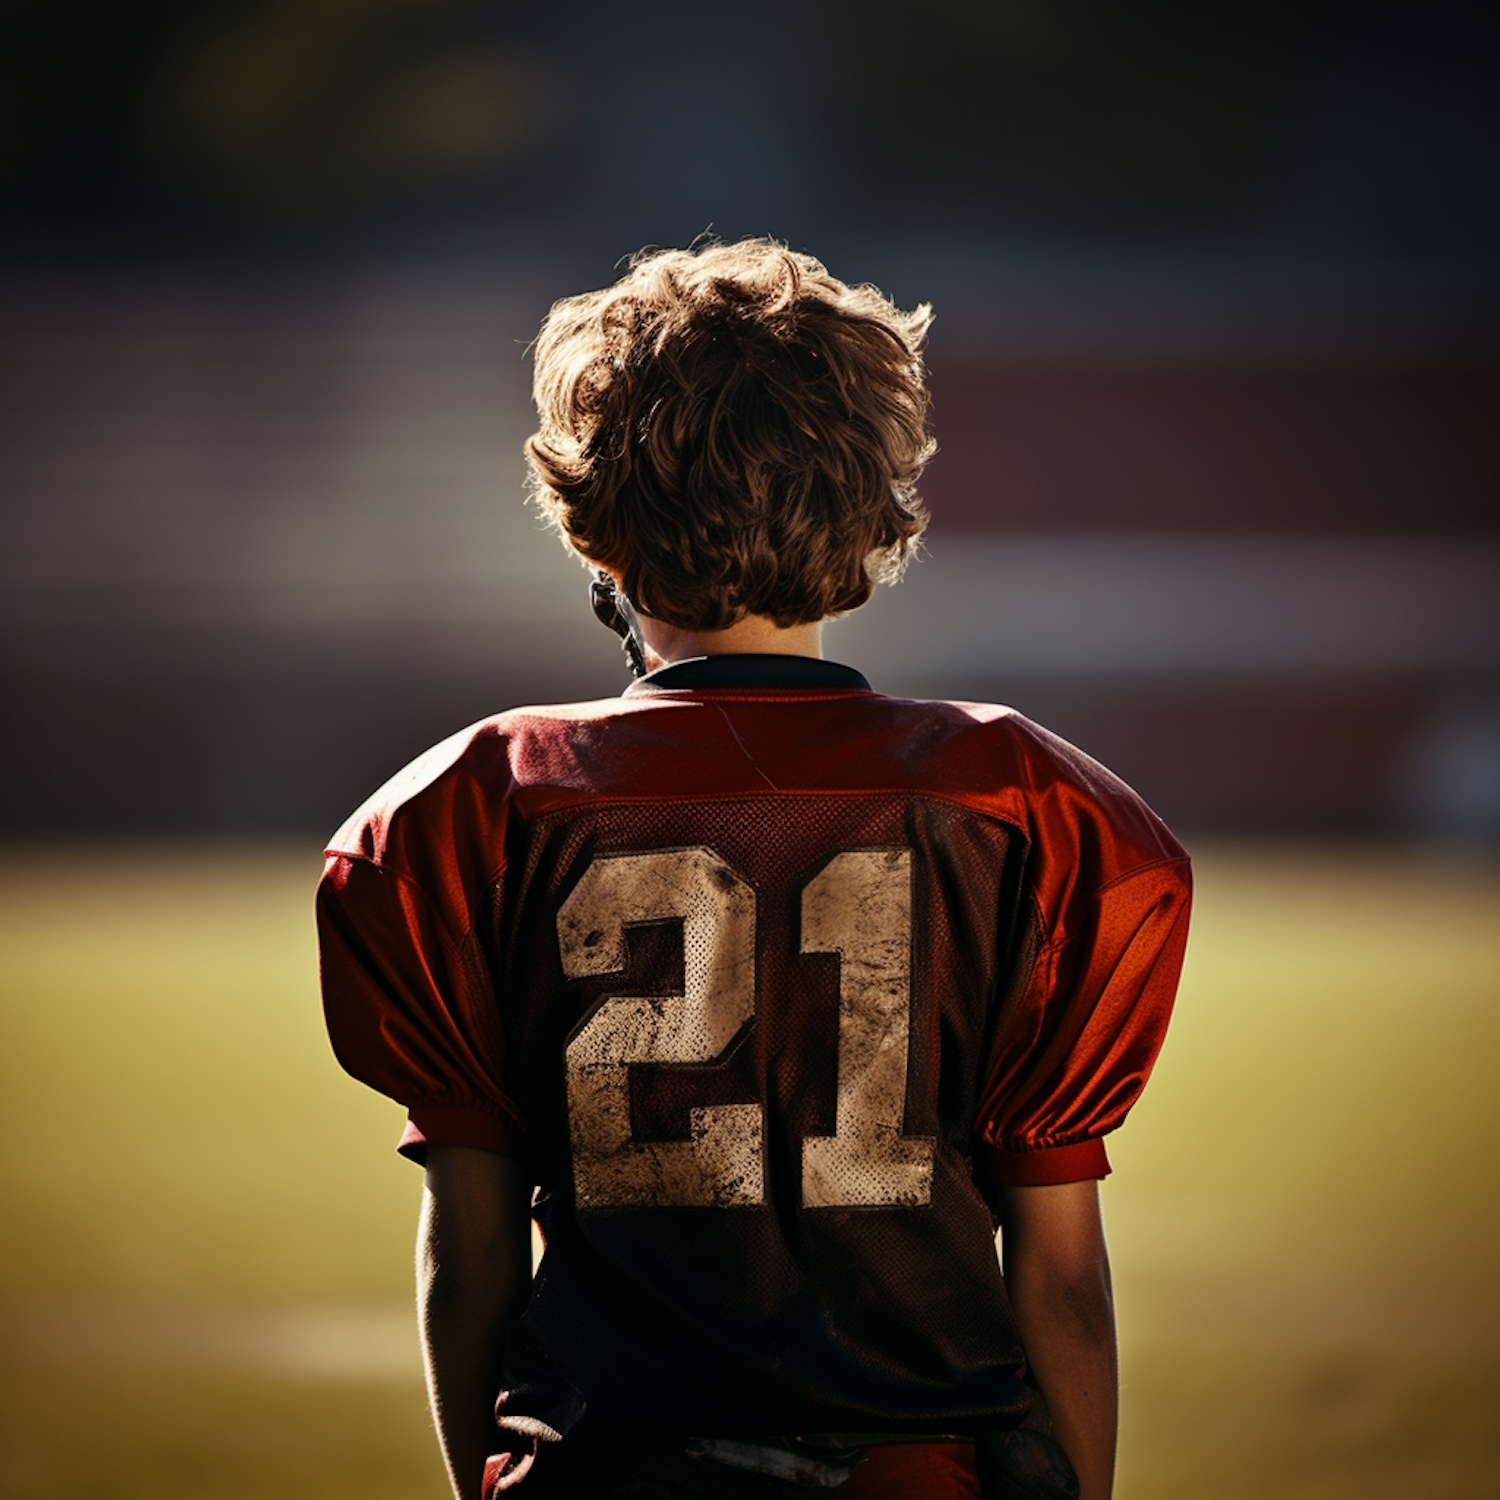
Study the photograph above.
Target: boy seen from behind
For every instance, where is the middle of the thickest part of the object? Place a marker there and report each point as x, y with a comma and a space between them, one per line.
771, 997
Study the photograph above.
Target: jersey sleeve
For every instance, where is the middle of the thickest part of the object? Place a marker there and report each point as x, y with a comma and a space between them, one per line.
1080, 1030
411, 1008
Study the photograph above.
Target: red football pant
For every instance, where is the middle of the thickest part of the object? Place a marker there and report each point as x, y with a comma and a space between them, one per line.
915, 1471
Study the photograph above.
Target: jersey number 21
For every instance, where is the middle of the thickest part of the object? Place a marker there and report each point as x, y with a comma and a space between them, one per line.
858, 906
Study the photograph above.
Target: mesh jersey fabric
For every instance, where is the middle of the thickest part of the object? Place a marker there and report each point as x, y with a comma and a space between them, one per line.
767, 986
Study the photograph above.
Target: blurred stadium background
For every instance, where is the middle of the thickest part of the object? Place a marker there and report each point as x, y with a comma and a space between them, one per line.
1215, 368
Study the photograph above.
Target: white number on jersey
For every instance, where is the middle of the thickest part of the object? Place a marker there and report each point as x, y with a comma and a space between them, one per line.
721, 1163
859, 906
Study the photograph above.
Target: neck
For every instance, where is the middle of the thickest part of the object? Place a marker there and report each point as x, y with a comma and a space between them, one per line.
755, 634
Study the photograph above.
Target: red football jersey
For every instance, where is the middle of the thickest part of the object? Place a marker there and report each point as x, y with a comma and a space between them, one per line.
768, 984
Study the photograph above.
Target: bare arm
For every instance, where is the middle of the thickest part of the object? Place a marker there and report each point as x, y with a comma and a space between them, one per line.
473, 1274
1057, 1268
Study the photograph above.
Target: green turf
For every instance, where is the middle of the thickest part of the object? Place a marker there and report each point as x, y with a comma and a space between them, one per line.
1304, 1218
204, 1276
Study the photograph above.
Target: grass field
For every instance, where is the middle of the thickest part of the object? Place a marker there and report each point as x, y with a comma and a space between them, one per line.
204, 1275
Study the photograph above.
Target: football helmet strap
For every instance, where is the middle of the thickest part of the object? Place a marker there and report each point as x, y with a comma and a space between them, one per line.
612, 608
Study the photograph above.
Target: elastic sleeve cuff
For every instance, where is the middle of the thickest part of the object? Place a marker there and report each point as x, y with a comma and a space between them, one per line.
1048, 1165
437, 1125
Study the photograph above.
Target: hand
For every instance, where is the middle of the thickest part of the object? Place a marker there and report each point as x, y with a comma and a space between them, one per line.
504, 1471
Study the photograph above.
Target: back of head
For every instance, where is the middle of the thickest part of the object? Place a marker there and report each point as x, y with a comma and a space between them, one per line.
733, 431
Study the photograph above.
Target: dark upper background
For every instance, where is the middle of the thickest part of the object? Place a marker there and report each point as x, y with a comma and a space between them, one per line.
1214, 376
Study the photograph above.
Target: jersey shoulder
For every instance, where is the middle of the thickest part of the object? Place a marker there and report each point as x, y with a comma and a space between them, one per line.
1061, 798
448, 808
460, 789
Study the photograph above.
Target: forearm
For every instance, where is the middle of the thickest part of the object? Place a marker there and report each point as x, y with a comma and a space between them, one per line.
1057, 1271
473, 1272
1069, 1336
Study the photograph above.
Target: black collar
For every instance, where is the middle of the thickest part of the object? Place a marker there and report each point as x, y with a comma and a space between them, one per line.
755, 672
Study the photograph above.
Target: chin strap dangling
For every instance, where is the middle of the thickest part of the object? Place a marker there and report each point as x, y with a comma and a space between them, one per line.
612, 608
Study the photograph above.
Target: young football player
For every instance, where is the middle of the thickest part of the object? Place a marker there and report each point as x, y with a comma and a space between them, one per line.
769, 996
